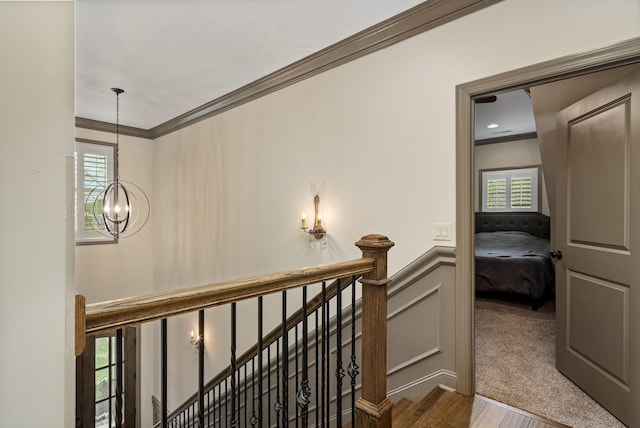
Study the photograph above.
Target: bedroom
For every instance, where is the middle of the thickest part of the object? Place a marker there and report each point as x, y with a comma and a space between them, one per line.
537, 154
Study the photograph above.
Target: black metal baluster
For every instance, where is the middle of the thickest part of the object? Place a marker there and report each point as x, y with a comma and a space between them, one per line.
163, 351
328, 358
304, 392
216, 405
233, 365
260, 362
285, 363
246, 387
277, 405
297, 368
324, 363
339, 369
353, 367
268, 387
209, 407
239, 401
254, 419
226, 402
201, 368
317, 364
119, 378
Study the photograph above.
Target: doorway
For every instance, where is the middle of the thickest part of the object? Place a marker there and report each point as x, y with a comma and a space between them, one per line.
618, 55
515, 319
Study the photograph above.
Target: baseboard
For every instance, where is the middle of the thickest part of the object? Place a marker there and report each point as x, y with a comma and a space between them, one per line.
418, 388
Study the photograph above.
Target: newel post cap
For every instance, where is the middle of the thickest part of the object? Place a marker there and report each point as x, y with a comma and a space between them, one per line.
375, 243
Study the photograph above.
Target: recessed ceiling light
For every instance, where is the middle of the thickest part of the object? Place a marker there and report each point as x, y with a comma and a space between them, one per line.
492, 125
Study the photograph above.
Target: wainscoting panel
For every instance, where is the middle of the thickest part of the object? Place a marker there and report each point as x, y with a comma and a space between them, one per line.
421, 329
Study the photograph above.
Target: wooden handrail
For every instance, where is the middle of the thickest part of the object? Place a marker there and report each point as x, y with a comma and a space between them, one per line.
107, 316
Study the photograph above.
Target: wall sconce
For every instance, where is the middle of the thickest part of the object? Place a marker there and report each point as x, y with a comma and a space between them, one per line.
317, 229
196, 340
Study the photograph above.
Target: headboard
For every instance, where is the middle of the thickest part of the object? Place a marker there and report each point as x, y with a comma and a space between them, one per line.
531, 222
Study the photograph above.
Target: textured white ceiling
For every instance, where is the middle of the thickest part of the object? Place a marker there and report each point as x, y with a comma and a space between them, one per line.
171, 56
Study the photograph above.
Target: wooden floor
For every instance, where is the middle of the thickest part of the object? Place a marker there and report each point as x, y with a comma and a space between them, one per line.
444, 409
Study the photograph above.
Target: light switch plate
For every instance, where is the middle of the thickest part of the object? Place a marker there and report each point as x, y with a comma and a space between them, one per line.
442, 231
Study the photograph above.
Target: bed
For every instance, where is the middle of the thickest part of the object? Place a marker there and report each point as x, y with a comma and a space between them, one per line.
512, 255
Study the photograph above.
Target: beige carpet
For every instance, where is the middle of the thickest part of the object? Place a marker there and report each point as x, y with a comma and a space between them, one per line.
515, 364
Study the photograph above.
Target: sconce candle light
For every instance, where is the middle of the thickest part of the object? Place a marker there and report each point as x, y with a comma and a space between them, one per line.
317, 229
195, 340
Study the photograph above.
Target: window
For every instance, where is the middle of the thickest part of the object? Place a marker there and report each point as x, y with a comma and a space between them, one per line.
96, 393
510, 189
95, 167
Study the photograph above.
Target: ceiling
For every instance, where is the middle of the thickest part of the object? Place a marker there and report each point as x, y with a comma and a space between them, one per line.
171, 56
515, 113
511, 111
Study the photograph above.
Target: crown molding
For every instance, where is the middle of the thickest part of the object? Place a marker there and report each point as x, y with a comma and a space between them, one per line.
97, 125
416, 20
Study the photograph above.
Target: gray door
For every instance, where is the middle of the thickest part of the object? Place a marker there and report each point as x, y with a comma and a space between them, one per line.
598, 233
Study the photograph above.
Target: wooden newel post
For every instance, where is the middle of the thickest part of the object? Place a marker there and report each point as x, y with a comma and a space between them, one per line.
373, 409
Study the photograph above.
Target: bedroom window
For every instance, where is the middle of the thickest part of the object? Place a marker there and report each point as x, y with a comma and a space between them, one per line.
95, 167
510, 189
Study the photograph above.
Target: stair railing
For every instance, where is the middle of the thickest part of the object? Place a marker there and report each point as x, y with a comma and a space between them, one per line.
373, 408
215, 397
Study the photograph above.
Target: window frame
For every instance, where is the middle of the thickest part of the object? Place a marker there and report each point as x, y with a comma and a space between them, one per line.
536, 189
83, 146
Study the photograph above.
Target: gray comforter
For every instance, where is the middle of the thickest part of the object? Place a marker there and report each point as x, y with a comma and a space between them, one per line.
513, 262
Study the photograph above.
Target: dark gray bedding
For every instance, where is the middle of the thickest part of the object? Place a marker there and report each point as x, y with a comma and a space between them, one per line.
513, 262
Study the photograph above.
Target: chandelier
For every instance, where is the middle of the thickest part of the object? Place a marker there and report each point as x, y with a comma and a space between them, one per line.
122, 207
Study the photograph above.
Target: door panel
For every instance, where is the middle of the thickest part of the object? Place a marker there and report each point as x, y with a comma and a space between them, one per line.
598, 165
601, 340
600, 139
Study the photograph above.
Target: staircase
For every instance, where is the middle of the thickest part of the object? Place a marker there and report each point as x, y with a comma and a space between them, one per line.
445, 409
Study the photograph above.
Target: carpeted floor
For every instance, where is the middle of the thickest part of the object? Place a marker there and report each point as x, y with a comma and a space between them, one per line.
515, 364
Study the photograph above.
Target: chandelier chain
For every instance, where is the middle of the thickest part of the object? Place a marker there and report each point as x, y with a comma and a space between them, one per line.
118, 91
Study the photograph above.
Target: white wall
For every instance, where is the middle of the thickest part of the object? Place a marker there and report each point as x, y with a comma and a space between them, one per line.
36, 247
375, 138
113, 271
512, 154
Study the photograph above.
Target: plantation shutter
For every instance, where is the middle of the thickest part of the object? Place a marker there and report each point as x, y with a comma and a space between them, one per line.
497, 193
521, 192
95, 176
94, 170
510, 190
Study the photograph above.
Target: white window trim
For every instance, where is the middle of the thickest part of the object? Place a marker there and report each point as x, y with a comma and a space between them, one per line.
100, 148
508, 174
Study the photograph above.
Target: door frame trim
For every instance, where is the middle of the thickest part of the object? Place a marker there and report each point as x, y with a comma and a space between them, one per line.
619, 54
